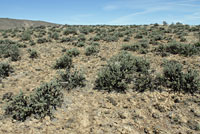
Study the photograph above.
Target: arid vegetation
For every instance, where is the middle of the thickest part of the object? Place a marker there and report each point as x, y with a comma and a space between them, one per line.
142, 78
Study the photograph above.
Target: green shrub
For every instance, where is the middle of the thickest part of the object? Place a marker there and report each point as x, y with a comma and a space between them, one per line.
95, 38
42, 40
177, 80
40, 103
91, 50
64, 62
81, 37
32, 43
116, 74
95, 44
80, 44
127, 39
55, 36
32, 53
110, 38
139, 36
26, 35
10, 50
73, 52
66, 39
144, 82
173, 75
70, 30
18, 107
178, 48
72, 79
133, 47
191, 81
136, 47
45, 99
5, 69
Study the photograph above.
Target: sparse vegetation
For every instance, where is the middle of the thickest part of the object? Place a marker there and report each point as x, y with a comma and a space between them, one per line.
116, 74
64, 62
9, 49
91, 50
73, 52
5, 69
72, 79
127, 60
32, 53
178, 48
40, 103
177, 80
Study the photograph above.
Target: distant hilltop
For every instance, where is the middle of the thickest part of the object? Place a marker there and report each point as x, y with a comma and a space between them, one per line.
7, 23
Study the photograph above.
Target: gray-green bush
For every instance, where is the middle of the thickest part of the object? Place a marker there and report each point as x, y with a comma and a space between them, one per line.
5, 69
40, 103
116, 74
63, 62
72, 79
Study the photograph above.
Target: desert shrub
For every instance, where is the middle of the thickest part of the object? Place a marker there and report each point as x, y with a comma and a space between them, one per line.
143, 51
95, 44
110, 38
191, 81
95, 38
115, 75
32, 43
178, 48
144, 82
64, 62
127, 39
183, 39
42, 40
32, 53
10, 50
72, 79
40, 103
73, 52
45, 99
197, 46
84, 30
120, 34
70, 30
133, 47
26, 35
177, 80
136, 47
55, 36
80, 44
91, 50
81, 37
5, 69
139, 36
66, 39
173, 74
18, 107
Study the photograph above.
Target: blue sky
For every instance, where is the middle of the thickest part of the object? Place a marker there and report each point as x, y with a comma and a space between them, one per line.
117, 12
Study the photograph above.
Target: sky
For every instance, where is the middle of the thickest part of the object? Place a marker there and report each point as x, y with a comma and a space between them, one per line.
110, 12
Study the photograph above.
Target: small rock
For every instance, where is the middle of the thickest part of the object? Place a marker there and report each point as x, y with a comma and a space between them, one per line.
155, 115
112, 101
194, 125
69, 123
159, 107
38, 69
121, 115
196, 112
176, 100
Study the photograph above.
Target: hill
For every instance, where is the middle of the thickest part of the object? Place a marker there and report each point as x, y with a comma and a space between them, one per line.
6, 23
100, 80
